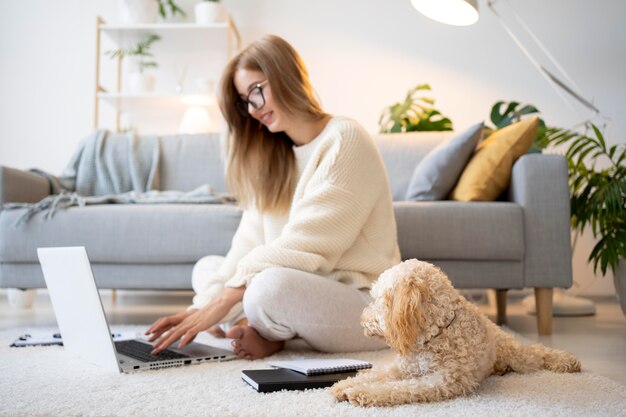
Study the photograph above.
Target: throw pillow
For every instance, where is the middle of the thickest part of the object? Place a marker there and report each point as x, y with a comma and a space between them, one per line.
488, 173
436, 174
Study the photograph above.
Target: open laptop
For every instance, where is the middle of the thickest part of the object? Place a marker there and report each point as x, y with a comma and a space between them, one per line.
84, 327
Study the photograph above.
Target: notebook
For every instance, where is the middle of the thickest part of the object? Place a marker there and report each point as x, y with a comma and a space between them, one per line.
269, 380
322, 366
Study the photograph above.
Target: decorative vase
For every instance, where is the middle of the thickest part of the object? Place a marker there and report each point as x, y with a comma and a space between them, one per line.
139, 82
19, 298
208, 12
138, 11
619, 279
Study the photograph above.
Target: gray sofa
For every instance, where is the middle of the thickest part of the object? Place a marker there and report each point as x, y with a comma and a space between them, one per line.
521, 241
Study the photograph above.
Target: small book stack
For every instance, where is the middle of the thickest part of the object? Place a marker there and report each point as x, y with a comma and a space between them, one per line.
302, 374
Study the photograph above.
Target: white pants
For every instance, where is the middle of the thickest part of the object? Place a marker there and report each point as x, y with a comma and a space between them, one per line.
283, 303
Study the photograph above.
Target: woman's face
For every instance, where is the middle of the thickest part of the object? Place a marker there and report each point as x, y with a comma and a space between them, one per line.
269, 114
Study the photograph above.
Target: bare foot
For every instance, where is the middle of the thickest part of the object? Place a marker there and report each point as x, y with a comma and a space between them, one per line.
217, 331
248, 344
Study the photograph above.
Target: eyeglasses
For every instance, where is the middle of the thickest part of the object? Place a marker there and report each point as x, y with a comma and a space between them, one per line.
255, 98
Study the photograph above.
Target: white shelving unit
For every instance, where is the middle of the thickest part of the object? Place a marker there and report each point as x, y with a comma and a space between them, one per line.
153, 101
128, 101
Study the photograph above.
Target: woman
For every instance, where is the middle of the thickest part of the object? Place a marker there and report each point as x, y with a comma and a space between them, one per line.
318, 224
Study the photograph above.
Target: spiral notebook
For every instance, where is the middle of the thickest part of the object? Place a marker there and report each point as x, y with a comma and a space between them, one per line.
322, 366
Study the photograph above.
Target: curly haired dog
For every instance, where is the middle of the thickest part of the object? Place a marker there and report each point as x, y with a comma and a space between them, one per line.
445, 345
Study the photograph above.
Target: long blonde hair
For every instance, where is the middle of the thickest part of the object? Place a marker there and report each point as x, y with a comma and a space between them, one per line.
261, 166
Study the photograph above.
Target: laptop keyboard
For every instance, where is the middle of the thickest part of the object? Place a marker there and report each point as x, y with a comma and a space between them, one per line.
141, 351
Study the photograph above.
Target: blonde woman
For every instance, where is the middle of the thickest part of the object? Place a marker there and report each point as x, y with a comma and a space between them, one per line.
318, 225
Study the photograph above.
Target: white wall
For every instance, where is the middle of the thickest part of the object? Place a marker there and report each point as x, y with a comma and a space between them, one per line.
362, 55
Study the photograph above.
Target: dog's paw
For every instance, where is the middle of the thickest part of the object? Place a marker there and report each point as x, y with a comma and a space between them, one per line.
560, 361
359, 396
350, 390
339, 388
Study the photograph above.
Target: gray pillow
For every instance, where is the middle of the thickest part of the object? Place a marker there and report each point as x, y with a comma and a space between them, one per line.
437, 173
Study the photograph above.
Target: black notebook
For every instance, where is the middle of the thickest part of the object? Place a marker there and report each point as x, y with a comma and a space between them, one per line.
322, 366
268, 380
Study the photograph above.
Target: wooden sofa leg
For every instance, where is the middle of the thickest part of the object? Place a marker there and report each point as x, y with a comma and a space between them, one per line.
543, 302
501, 307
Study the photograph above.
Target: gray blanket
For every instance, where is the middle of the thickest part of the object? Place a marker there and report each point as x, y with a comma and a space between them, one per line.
107, 163
113, 168
201, 195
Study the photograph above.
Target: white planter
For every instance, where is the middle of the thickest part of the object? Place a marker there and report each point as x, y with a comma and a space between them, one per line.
208, 12
140, 82
138, 11
21, 298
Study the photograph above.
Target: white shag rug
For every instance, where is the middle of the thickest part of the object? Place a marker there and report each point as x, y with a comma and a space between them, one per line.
47, 381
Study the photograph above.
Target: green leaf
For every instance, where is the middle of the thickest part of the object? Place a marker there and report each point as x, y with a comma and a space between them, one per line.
599, 135
416, 113
510, 114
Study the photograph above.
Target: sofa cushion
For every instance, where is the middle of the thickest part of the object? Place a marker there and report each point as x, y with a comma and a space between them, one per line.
435, 176
488, 173
108, 275
188, 161
180, 233
124, 233
402, 152
461, 231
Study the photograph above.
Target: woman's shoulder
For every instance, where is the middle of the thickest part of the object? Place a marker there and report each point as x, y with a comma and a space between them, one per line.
346, 132
346, 126
349, 154
353, 141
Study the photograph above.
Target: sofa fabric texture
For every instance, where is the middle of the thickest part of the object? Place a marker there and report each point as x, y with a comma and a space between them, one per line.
521, 241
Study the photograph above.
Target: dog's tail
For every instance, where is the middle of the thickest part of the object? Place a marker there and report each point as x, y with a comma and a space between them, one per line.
511, 355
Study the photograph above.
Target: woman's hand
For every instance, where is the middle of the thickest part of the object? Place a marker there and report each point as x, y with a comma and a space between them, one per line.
198, 320
165, 323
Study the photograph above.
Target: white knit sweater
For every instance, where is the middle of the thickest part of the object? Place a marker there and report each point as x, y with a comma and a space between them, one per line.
341, 224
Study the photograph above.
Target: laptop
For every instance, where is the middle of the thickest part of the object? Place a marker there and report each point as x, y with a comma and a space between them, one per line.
84, 327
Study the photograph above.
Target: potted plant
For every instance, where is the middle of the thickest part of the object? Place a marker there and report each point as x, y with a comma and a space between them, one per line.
169, 9
502, 116
147, 11
414, 114
138, 80
138, 11
209, 11
597, 180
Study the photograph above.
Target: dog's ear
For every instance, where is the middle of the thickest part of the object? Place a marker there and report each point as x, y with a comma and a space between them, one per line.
404, 320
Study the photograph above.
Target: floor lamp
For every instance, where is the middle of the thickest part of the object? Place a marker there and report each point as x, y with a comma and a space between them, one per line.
464, 13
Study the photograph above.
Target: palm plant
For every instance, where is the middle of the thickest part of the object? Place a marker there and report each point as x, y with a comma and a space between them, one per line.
414, 114
598, 195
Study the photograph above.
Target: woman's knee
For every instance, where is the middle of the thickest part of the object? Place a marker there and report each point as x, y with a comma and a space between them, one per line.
202, 271
264, 303
268, 287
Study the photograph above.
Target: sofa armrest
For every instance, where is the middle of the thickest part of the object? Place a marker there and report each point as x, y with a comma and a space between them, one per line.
539, 184
17, 186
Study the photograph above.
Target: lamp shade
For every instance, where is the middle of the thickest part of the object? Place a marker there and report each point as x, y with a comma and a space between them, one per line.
195, 120
451, 12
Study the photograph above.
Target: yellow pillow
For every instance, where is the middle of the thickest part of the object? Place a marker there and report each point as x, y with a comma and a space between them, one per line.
488, 173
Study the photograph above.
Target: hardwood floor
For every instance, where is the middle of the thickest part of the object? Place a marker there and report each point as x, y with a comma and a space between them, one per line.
599, 341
